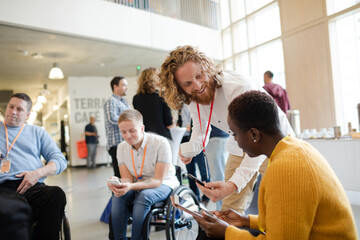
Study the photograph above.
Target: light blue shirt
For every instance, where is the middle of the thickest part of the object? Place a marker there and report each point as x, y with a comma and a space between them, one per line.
25, 155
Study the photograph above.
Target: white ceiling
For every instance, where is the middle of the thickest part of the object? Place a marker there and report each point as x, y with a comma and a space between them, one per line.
76, 57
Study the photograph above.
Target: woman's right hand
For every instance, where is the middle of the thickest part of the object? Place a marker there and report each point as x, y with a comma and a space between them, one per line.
185, 160
234, 218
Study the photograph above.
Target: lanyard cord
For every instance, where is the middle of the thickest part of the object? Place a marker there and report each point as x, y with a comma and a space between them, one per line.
142, 165
204, 140
207, 128
7, 139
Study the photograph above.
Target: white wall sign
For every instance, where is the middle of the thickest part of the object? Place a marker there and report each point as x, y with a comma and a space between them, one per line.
87, 96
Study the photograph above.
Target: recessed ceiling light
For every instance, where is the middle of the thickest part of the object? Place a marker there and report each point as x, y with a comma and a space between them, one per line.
23, 52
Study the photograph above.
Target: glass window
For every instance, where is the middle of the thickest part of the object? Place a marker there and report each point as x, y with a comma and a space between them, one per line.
334, 6
240, 36
268, 57
253, 5
224, 11
237, 10
242, 63
345, 53
252, 44
228, 65
264, 25
227, 43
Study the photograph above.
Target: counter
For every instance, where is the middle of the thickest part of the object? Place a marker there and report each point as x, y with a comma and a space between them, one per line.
343, 156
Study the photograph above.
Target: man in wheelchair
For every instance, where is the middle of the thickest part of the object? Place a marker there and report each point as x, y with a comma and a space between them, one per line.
23, 173
147, 175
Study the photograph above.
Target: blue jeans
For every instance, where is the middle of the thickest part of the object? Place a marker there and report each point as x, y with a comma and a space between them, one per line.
91, 147
138, 204
217, 156
199, 160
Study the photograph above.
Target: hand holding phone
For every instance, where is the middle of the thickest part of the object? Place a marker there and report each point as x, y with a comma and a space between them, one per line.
196, 179
114, 180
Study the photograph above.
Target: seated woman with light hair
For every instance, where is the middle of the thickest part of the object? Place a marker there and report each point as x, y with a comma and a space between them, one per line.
300, 196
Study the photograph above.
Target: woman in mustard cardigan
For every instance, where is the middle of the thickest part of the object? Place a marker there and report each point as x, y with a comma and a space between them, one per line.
300, 196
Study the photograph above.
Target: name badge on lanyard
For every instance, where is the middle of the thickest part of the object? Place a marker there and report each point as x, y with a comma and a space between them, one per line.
5, 165
6, 162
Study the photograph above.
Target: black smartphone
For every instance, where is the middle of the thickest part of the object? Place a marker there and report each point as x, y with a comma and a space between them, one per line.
196, 179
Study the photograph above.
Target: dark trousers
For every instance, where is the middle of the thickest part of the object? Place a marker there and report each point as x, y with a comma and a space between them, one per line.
47, 204
15, 219
112, 152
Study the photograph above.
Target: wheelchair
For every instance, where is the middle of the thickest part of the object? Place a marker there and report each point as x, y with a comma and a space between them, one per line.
64, 233
65, 229
163, 215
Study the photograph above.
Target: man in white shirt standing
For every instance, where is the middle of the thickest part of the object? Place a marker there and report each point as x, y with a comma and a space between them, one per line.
189, 76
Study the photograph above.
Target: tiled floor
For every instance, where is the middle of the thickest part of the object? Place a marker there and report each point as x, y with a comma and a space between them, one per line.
87, 196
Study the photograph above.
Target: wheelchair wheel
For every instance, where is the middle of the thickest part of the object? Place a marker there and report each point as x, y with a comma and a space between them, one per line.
155, 220
65, 229
147, 225
181, 225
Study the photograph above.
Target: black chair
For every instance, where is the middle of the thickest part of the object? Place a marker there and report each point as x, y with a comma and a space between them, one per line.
64, 233
65, 228
163, 216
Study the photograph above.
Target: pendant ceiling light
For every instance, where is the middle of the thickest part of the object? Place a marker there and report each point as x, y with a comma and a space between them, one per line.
55, 72
43, 93
41, 99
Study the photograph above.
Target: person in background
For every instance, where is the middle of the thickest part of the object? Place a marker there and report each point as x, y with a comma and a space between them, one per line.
91, 138
217, 155
276, 91
22, 170
189, 76
147, 175
113, 107
156, 113
300, 196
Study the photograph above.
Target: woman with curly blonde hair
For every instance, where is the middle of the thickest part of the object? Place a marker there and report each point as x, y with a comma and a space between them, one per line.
156, 113
148, 81
189, 76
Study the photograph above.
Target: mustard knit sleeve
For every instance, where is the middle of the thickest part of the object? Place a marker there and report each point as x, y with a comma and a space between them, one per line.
234, 233
254, 220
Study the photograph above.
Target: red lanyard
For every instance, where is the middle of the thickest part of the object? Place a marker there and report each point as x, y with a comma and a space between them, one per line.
207, 128
142, 165
7, 139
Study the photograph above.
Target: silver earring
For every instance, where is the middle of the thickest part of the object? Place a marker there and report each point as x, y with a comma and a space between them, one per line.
254, 140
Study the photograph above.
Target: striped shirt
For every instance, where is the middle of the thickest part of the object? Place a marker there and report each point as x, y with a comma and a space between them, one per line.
112, 110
